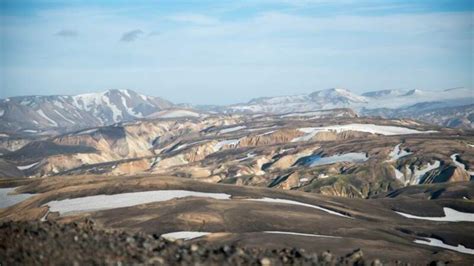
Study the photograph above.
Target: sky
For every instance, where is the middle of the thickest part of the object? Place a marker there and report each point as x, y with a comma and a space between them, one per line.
229, 51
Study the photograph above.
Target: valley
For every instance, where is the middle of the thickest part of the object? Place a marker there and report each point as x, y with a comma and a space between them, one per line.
222, 133
319, 180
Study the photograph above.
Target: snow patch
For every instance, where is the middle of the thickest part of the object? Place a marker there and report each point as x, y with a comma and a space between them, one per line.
7, 199
399, 175
450, 215
70, 121
177, 113
284, 201
103, 202
116, 113
25, 167
323, 176
30, 131
266, 133
315, 114
88, 100
185, 235
248, 156
454, 157
310, 132
231, 129
299, 234
396, 153
126, 93
130, 111
41, 113
260, 128
220, 144
355, 157
88, 131
185, 145
438, 243
419, 173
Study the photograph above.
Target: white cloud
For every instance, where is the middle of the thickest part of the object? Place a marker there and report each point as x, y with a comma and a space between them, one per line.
265, 54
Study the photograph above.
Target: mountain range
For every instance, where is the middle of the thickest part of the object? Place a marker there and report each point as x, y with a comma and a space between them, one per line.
319, 180
343, 98
34, 114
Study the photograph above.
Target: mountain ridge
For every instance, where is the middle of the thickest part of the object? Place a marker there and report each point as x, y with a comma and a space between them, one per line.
77, 111
33, 114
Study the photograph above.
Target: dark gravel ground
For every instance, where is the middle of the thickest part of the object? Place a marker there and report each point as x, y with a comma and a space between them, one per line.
48, 243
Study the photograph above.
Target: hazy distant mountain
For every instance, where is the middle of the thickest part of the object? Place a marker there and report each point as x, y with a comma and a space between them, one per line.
32, 113
337, 97
451, 107
384, 93
343, 98
439, 113
323, 99
29, 114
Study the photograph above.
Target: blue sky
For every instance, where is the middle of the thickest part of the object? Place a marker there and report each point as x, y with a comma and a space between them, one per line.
221, 52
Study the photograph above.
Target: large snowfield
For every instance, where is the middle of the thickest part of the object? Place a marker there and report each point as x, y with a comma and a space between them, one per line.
103, 202
8, 198
310, 132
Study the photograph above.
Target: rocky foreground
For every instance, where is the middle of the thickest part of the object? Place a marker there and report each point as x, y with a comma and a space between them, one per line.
49, 243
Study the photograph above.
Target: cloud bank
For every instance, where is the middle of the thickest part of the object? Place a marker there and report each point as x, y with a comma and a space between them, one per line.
131, 36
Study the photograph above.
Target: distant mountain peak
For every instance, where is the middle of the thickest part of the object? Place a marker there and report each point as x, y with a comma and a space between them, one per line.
337, 95
76, 111
414, 92
384, 93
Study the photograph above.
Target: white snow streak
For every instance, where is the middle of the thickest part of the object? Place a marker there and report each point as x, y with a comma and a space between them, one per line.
299, 234
186, 235
41, 113
369, 128
129, 110
178, 113
450, 215
25, 167
231, 129
70, 121
438, 243
284, 201
454, 157
115, 111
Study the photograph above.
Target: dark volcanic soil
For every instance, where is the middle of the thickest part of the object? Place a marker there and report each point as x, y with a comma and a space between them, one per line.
47, 243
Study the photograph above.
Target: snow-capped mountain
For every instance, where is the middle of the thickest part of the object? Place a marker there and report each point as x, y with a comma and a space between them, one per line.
343, 98
451, 107
323, 99
384, 93
336, 97
446, 114
33, 113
